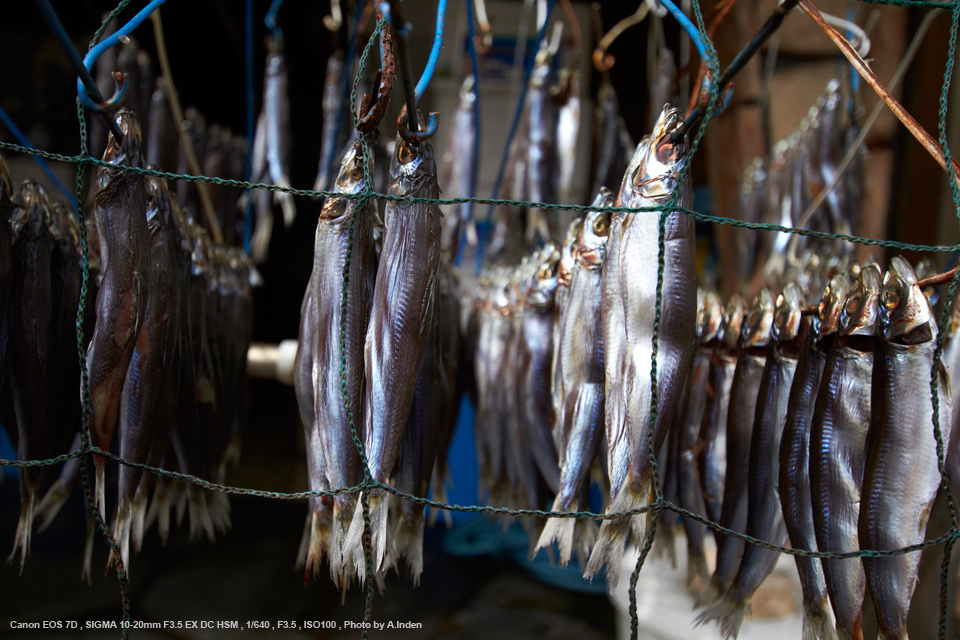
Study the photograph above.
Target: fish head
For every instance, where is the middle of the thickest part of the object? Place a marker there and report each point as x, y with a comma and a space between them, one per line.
924, 269
468, 93
65, 223
786, 320
709, 316
127, 151
657, 165
755, 331
568, 254
861, 310
906, 317
543, 285
831, 306
732, 321
32, 209
412, 164
592, 244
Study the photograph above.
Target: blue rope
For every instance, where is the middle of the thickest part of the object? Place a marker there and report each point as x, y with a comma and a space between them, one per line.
523, 97
248, 34
271, 18
19, 135
91, 58
688, 26
427, 74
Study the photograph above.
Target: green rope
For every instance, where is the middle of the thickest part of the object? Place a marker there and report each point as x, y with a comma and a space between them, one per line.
659, 504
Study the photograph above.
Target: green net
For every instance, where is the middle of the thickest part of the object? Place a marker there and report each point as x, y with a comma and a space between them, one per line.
659, 504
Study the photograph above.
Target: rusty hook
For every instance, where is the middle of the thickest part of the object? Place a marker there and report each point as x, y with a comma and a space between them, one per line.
373, 109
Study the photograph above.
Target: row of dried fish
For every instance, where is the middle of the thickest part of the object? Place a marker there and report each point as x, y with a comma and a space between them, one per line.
165, 380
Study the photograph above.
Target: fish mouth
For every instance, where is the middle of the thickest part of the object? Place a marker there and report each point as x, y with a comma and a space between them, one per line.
128, 148
906, 314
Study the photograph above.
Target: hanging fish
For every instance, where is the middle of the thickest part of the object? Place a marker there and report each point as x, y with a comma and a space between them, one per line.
334, 133
277, 108
629, 302
837, 437
611, 139
145, 414
541, 175
120, 211
195, 131
162, 146
456, 173
899, 490
565, 268
691, 411
745, 389
663, 87
568, 133
795, 453
321, 326
401, 311
31, 349
764, 518
712, 441
581, 369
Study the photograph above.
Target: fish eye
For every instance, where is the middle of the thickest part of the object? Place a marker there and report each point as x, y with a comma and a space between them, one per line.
406, 153
890, 299
601, 225
853, 303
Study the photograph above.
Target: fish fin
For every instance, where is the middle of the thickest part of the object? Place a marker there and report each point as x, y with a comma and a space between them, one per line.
615, 532
426, 305
21, 541
666, 543
818, 622
85, 573
728, 612
285, 200
260, 241
378, 528
121, 534
51, 504
584, 537
138, 515
301, 561
698, 576
100, 465
560, 530
344, 509
408, 542
710, 594
353, 545
318, 545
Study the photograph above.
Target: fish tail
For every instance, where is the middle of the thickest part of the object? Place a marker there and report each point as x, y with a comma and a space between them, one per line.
378, 528
666, 543
584, 537
728, 612
21, 541
559, 530
100, 465
318, 545
344, 509
615, 532
121, 534
817, 622
138, 514
304, 545
85, 573
260, 241
698, 576
408, 542
220, 512
353, 545
289, 208
51, 504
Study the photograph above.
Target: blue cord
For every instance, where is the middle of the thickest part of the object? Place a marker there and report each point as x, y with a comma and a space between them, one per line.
475, 169
248, 36
523, 97
90, 59
688, 26
15, 130
427, 75
271, 18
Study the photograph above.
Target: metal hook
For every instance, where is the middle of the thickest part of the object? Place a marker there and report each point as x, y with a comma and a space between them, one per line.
334, 21
271, 18
602, 60
114, 102
433, 123
373, 108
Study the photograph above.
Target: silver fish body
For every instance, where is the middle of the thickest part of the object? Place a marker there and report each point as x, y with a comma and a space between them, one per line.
837, 437
277, 108
901, 477
401, 312
629, 296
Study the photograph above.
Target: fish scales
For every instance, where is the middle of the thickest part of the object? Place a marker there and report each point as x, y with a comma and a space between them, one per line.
901, 476
837, 437
795, 485
403, 300
120, 213
581, 365
629, 295
764, 517
744, 392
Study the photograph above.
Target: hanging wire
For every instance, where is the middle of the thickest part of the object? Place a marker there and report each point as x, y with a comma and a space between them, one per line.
523, 97
248, 46
19, 135
110, 41
271, 18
